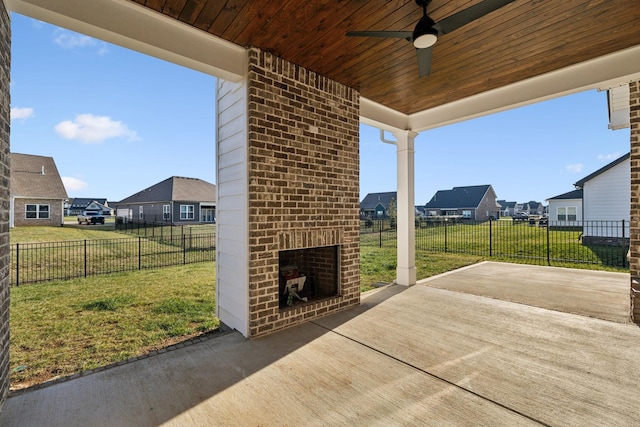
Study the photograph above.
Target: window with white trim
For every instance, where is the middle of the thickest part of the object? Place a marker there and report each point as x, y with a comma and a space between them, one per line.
187, 212
37, 211
567, 213
141, 212
166, 212
466, 214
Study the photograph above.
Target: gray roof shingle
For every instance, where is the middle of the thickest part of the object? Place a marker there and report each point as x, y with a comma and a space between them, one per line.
374, 199
575, 194
603, 169
458, 197
35, 176
176, 188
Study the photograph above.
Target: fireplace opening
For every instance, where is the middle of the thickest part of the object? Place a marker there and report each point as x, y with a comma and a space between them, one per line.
308, 275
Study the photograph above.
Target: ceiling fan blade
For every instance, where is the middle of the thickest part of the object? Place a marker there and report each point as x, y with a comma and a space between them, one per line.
468, 15
384, 34
424, 61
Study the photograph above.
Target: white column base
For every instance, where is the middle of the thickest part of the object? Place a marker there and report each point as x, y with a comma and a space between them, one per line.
406, 276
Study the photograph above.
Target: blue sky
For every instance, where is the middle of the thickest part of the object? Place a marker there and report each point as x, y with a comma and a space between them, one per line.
116, 122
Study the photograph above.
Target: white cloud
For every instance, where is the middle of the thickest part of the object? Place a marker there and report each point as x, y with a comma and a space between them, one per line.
574, 168
70, 40
21, 113
608, 157
94, 129
73, 184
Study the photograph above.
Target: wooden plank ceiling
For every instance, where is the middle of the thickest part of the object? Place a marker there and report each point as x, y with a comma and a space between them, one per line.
520, 40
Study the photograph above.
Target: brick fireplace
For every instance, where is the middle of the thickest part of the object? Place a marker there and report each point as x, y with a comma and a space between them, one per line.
301, 148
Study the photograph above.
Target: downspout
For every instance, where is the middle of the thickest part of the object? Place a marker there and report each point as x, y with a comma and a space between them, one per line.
383, 139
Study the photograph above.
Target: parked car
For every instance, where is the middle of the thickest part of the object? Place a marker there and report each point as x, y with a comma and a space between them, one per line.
520, 216
91, 217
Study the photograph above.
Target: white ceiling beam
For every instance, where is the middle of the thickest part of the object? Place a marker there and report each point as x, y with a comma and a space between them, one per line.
606, 71
135, 27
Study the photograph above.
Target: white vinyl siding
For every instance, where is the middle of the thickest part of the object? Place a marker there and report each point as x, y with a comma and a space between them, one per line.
607, 196
232, 241
565, 210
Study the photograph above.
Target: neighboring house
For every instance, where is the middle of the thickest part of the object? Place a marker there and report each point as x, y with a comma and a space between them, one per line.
376, 205
507, 208
176, 200
606, 202
475, 202
566, 209
78, 205
37, 194
534, 208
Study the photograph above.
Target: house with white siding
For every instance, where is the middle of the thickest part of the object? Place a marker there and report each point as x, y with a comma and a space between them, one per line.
565, 210
606, 195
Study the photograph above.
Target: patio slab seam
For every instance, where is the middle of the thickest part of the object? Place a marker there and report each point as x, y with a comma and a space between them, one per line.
432, 375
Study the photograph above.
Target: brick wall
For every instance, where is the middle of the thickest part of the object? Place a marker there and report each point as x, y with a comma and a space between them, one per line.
5, 64
634, 98
303, 183
55, 213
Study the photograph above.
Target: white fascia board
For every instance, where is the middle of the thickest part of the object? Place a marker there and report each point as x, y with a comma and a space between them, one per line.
606, 71
135, 27
381, 117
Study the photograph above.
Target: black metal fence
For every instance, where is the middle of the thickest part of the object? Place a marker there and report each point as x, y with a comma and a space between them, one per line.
539, 242
162, 229
39, 262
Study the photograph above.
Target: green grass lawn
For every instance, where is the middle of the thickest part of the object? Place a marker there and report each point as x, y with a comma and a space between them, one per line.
64, 327
60, 328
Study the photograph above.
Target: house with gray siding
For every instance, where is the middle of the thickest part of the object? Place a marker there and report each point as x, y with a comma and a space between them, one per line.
77, 205
477, 202
176, 200
376, 205
37, 194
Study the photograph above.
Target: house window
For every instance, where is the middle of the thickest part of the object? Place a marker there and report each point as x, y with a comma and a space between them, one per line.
141, 212
466, 214
37, 212
572, 213
567, 213
187, 212
207, 215
166, 212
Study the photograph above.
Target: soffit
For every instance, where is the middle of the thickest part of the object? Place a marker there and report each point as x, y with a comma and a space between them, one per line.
526, 51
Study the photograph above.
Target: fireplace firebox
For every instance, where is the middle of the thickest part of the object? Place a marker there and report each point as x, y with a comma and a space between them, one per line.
308, 275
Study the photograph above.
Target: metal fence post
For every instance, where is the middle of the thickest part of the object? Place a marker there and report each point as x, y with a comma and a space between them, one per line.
184, 249
624, 245
85, 257
490, 238
380, 243
445, 235
548, 245
17, 264
140, 252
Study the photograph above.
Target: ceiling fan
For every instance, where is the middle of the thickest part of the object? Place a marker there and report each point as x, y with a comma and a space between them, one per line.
426, 32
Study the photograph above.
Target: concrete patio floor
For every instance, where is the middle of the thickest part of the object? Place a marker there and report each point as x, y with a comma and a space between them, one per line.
423, 355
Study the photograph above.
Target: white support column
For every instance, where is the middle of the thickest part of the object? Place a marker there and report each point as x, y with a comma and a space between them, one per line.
406, 271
